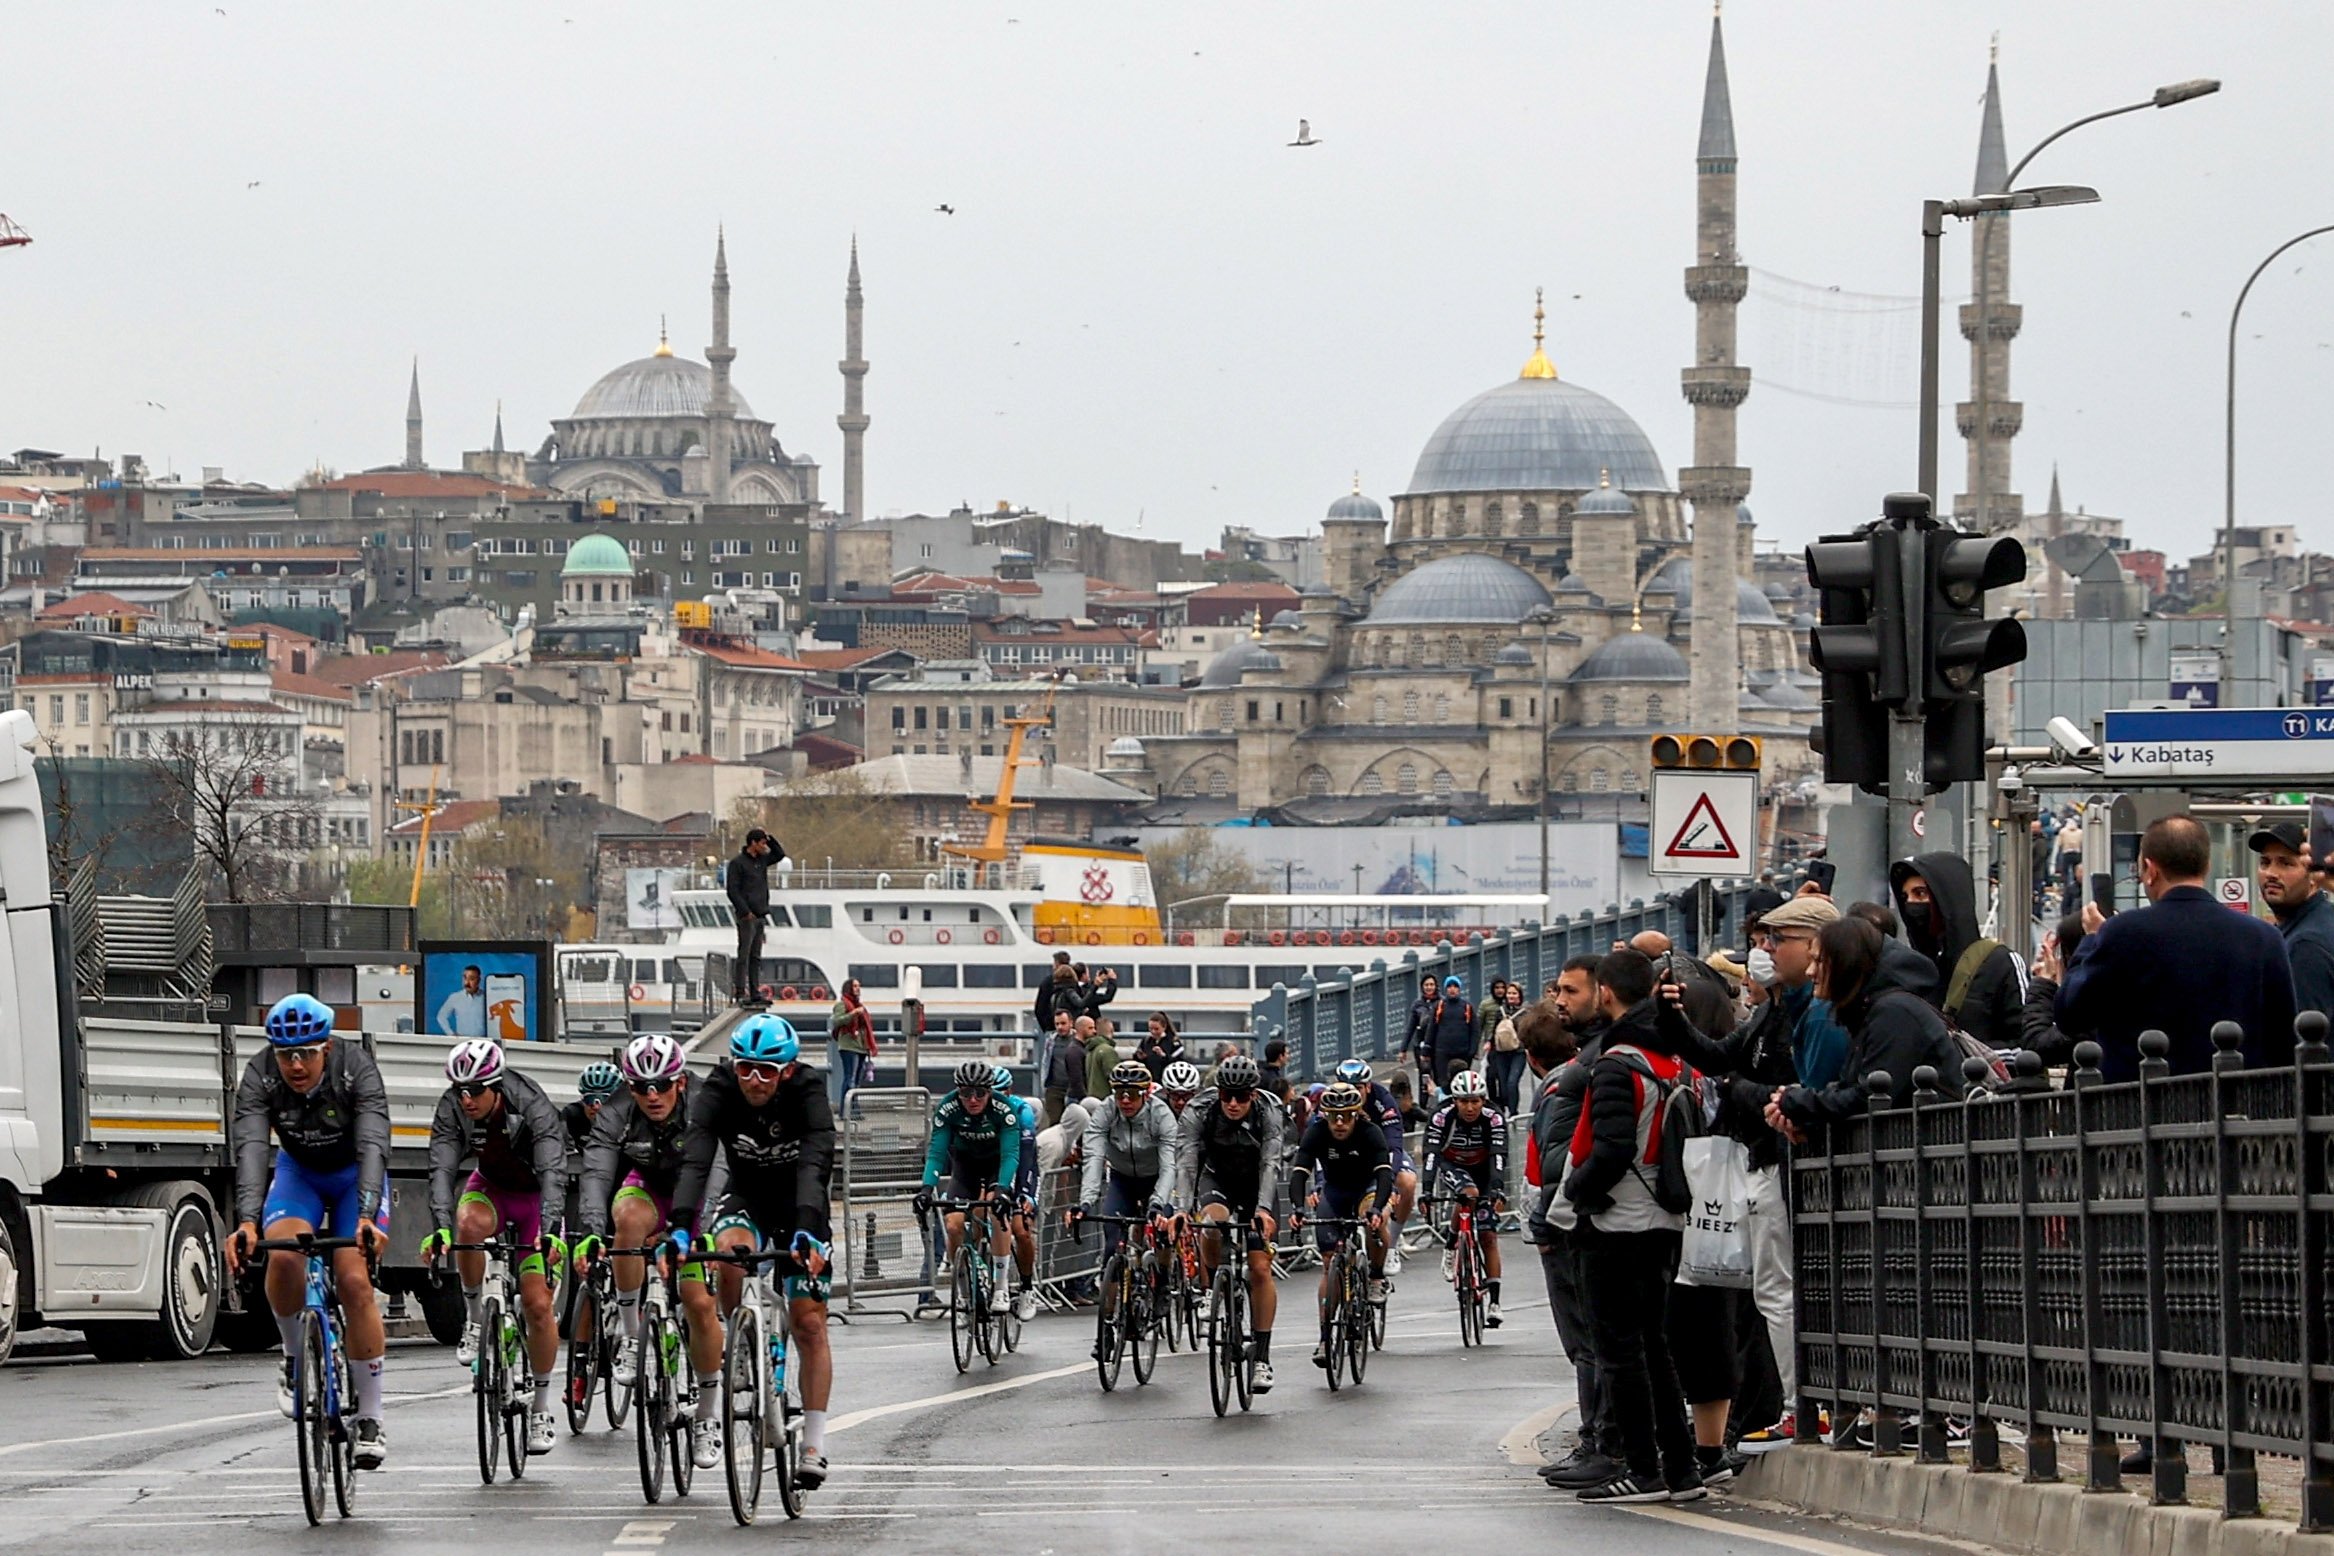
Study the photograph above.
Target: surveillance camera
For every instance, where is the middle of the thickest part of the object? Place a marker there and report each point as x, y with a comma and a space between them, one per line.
2072, 743
2012, 781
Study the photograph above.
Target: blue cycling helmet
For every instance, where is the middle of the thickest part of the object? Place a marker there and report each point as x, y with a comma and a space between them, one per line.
1001, 1079
765, 1040
1356, 1072
599, 1081
297, 1020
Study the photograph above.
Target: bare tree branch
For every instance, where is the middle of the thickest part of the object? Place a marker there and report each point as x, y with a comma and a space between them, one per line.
232, 787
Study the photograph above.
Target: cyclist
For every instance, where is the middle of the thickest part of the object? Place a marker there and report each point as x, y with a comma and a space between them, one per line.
327, 1106
1386, 1112
767, 1114
1134, 1151
599, 1082
1356, 1178
1024, 1217
1231, 1160
639, 1134
1179, 1083
492, 1114
1466, 1141
976, 1139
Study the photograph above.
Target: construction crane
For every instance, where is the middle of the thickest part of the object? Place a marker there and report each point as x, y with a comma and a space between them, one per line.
428, 809
992, 849
11, 235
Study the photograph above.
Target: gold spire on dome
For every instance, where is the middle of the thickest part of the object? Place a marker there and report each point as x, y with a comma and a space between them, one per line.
1538, 365
664, 343
1357, 483
1605, 477
1256, 626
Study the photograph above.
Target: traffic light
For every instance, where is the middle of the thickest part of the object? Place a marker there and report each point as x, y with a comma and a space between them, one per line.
1724, 753
1859, 649
1960, 646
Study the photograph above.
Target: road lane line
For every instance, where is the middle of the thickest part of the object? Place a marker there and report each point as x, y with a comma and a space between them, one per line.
1521, 1445
179, 1426
844, 1423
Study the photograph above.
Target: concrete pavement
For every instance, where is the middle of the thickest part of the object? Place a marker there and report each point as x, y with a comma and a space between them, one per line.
130, 1459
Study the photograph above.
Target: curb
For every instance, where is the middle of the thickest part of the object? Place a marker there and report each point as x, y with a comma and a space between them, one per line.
1999, 1510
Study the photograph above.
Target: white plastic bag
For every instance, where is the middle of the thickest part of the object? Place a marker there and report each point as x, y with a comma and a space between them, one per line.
1717, 1249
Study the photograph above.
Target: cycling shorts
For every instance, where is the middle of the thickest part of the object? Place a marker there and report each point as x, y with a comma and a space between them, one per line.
1240, 1199
518, 1216
635, 1186
1337, 1205
733, 1214
1453, 1174
327, 1201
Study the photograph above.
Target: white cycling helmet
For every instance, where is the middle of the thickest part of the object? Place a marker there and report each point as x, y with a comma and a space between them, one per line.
654, 1057
1181, 1078
475, 1061
1469, 1083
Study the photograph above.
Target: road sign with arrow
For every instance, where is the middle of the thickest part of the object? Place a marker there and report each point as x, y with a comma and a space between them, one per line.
1705, 823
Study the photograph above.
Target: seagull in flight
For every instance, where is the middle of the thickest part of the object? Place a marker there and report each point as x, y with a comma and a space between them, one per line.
1304, 134
945, 210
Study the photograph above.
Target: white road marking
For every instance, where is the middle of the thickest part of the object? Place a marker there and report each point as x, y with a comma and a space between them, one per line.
179, 1426
1521, 1445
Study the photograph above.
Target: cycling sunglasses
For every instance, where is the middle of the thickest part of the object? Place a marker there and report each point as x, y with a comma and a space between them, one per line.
306, 1053
1136, 1092
759, 1070
651, 1088
474, 1089
974, 1091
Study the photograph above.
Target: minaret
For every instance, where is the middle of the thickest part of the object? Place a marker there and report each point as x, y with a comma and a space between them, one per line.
1715, 386
853, 421
720, 408
2054, 524
413, 459
1988, 502
498, 426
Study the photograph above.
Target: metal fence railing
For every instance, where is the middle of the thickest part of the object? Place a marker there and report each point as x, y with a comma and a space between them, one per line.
1363, 1014
2145, 1260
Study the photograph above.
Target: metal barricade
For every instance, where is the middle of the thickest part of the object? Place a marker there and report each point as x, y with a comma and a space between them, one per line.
883, 1253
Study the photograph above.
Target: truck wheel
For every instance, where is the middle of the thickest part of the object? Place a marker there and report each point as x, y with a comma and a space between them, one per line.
8, 1293
249, 1332
441, 1308
192, 1282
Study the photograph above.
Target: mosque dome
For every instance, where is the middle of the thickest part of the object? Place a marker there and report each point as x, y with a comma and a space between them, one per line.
1632, 656
597, 556
1513, 654
1607, 498
1243, 655
1285, 619
1469, 588
656, 386
1357, 505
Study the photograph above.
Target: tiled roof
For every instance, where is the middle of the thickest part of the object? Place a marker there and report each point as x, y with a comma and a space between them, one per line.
294, 684
97, 602
746, 657
361, 669
452, 816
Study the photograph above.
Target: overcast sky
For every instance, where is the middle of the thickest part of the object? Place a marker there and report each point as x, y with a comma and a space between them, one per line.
1146, 304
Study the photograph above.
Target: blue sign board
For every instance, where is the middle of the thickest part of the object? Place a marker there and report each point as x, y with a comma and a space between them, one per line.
2227, 743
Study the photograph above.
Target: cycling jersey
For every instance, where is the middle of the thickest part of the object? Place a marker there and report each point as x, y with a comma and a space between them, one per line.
1357, 1165
577, 1120
342, 1123
983, 1147
521, 1151
1478, 1150
780, 1155
625, 1144
1233, 1161
1147, 1147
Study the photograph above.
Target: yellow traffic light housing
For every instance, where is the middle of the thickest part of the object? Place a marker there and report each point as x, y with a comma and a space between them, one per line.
1710, 753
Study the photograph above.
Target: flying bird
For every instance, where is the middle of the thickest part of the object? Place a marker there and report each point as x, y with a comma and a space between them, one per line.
157, 404
1304, 134
254, 184
945, 210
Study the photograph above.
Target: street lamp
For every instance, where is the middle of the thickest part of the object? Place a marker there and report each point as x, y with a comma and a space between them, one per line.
2228, 656
1544, 616
2163, 97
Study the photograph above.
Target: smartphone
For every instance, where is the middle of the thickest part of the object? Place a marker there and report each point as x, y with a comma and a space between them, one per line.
2103, 891
2322, 832
1823, 872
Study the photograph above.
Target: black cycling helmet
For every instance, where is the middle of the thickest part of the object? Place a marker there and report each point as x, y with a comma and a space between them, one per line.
975, 1075
1238, 1076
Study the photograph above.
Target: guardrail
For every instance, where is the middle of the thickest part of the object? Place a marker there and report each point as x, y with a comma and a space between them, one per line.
2147, 1259
1363, 1015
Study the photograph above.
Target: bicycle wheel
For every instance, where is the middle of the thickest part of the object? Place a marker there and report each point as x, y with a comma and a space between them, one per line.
789, 1453
1009, 1321
963, 1316
1360, 1318
311, 1425
1335, 1328
615, 1398
741, 1413
583, 1356
678, 1366
990, 1324
343, 1410
1223, 1347
1171, 1297
487, 1389
1463, 1285
654, 1402
1241, 1347
1109, 1334
1143, 1323
518, 1391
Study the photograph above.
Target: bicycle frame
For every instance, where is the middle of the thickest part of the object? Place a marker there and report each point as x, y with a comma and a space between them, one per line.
327, 1437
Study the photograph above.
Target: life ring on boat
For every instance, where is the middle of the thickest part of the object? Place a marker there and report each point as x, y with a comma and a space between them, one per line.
1185, 938
941, 936
1093, 937
637, 993
766, 992
818, 991
1141, 938
1232, 937
1275, 938
897, 936
789, 994
990, 937
1345, 937
1369, 937
1045, 936
1320, 937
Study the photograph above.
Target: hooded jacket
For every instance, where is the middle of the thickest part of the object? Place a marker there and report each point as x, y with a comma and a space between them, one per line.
1146, 1146
1790, 1040
524, 1138
1609, 1182
1450, 1027
1993, 1011
1892, 1027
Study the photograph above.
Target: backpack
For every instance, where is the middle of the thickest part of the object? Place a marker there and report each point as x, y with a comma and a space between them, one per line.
1503, 1036
1678, 1117
1965, 970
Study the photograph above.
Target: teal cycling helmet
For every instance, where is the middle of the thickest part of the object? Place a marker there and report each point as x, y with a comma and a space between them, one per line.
1001, 1079
599, 1081
765, 1040
298, 1020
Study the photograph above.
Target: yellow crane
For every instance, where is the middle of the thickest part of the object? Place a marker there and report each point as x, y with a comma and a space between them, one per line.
429, 809
1000, 808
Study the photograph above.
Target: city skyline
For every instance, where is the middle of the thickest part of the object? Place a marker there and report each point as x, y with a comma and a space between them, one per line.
1140, 279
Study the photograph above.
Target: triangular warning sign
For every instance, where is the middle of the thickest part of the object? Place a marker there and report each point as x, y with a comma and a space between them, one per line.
1703, 836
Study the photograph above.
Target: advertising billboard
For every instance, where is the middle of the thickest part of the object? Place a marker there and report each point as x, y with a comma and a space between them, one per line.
483, 988
648, 898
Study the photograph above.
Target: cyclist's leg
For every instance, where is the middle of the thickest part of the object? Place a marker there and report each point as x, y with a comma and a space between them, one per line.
1487, 1233
699, 1306
635, 1217
295, 1204
362, 1335
1214, 1218
953, 1222
475, 1220
1405, 1191
806, 1311
1025, 1238
1263, 1290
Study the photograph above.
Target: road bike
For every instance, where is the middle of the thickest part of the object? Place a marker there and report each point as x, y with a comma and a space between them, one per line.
501, 1386
1126, 1311
594, 1332
975, 1326
761, 1400
323, 1379
1226, 1327
1186, 1289
664, 1389
1349, 1301
1463, 1264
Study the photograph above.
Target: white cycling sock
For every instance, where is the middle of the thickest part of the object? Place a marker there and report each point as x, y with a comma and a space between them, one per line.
814, 1431
542, 1391
289, 1328
474, 1304
708, 1395
369, 1390
628, 1309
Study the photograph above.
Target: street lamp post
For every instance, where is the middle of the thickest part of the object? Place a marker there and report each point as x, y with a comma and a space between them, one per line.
2228, 655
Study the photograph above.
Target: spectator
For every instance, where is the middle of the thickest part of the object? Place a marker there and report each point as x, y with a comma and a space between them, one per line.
1689, 902
1709, 999
1551, 1047
1161, 1044
2042, 1032
1761, 901
747, 884
1052, 1074
1101, 1055
850, 1045
2304, 913
1058, 1144
1095, 989
2070, 855
1500, 1048
1275, 1066
2041, 840
1068, 1079
1981, 983
1050, 989
1450, 1035
2178, 966
1878, 915
1398, 1087
1628, 1243
1417, 1034
1870, 984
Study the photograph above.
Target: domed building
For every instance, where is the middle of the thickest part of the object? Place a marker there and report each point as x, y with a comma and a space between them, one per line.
664, 428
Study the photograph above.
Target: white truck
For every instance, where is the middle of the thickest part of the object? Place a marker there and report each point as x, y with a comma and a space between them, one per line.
116, 1174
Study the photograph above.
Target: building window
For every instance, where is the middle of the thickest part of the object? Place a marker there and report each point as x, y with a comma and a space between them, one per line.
923, 717
1653, 708
1629, 779
1599, 780
1444, 785
1442, 707
899, 719
1378, 708
1219, 784
1406, 779
1507, 707
1187, 786
1252, 709
1371, 783
1528, 520
80, 707
1316, 782
1223, 713
57, 709
1410, 707
1608, 709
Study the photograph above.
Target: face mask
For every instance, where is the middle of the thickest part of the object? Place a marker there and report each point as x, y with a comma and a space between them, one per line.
1761, 964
